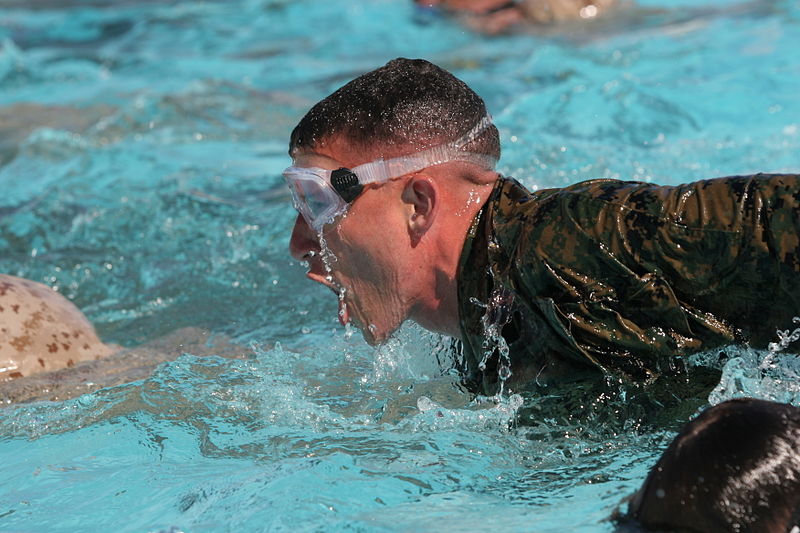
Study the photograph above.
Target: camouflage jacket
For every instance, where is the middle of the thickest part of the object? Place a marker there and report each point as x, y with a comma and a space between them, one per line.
625, 277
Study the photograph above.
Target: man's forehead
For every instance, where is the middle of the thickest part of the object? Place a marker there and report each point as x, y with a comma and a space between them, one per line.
330, 153
333, 155
311, 158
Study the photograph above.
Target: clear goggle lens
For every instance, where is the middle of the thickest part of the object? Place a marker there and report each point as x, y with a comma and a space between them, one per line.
312, 195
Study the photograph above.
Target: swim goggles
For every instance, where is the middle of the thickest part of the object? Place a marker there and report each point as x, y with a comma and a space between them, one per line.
321, 195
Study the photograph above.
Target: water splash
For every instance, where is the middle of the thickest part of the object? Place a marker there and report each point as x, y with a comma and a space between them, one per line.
764, 374
497, 314
483, 412
410, 353
328, 257
341, 294
785, 338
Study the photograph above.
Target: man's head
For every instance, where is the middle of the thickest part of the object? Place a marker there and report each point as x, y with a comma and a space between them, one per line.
416, 152
402, 107
736, 467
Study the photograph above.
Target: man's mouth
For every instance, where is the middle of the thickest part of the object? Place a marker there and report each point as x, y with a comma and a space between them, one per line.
344, 313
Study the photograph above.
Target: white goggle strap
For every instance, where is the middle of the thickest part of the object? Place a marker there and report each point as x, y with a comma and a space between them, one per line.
472, 134
386, 169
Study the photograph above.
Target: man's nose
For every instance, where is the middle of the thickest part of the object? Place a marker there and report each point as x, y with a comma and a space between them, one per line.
303, 244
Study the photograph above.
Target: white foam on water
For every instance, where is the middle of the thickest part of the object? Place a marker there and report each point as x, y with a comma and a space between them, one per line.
483, 413
772, 374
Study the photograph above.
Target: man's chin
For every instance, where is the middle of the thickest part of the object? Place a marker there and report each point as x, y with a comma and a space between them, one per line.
373, 335
370, 339
369, 336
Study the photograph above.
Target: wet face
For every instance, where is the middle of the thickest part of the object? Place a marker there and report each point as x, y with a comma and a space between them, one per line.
362, 254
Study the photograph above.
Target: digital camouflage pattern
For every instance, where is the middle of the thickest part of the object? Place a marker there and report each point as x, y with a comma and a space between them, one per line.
625, 277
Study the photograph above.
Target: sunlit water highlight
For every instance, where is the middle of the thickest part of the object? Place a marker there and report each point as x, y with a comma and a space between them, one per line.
141, 145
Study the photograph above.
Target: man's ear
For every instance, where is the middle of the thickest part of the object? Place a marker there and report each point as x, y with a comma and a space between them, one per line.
421, 194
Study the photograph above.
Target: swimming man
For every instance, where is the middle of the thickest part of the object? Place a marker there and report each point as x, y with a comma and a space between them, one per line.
402, 214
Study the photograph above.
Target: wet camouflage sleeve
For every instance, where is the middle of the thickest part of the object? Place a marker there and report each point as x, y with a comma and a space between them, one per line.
629, 276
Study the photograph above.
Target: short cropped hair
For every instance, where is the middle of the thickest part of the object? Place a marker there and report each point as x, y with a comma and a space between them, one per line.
404, 106
736, 468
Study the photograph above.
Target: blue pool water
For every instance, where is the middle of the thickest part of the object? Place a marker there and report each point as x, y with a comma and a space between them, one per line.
141, 144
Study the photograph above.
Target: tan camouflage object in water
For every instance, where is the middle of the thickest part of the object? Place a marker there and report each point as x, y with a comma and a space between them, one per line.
40, 330
626, 277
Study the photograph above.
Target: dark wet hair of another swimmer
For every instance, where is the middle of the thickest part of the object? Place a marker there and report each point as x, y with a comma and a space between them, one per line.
735, 468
